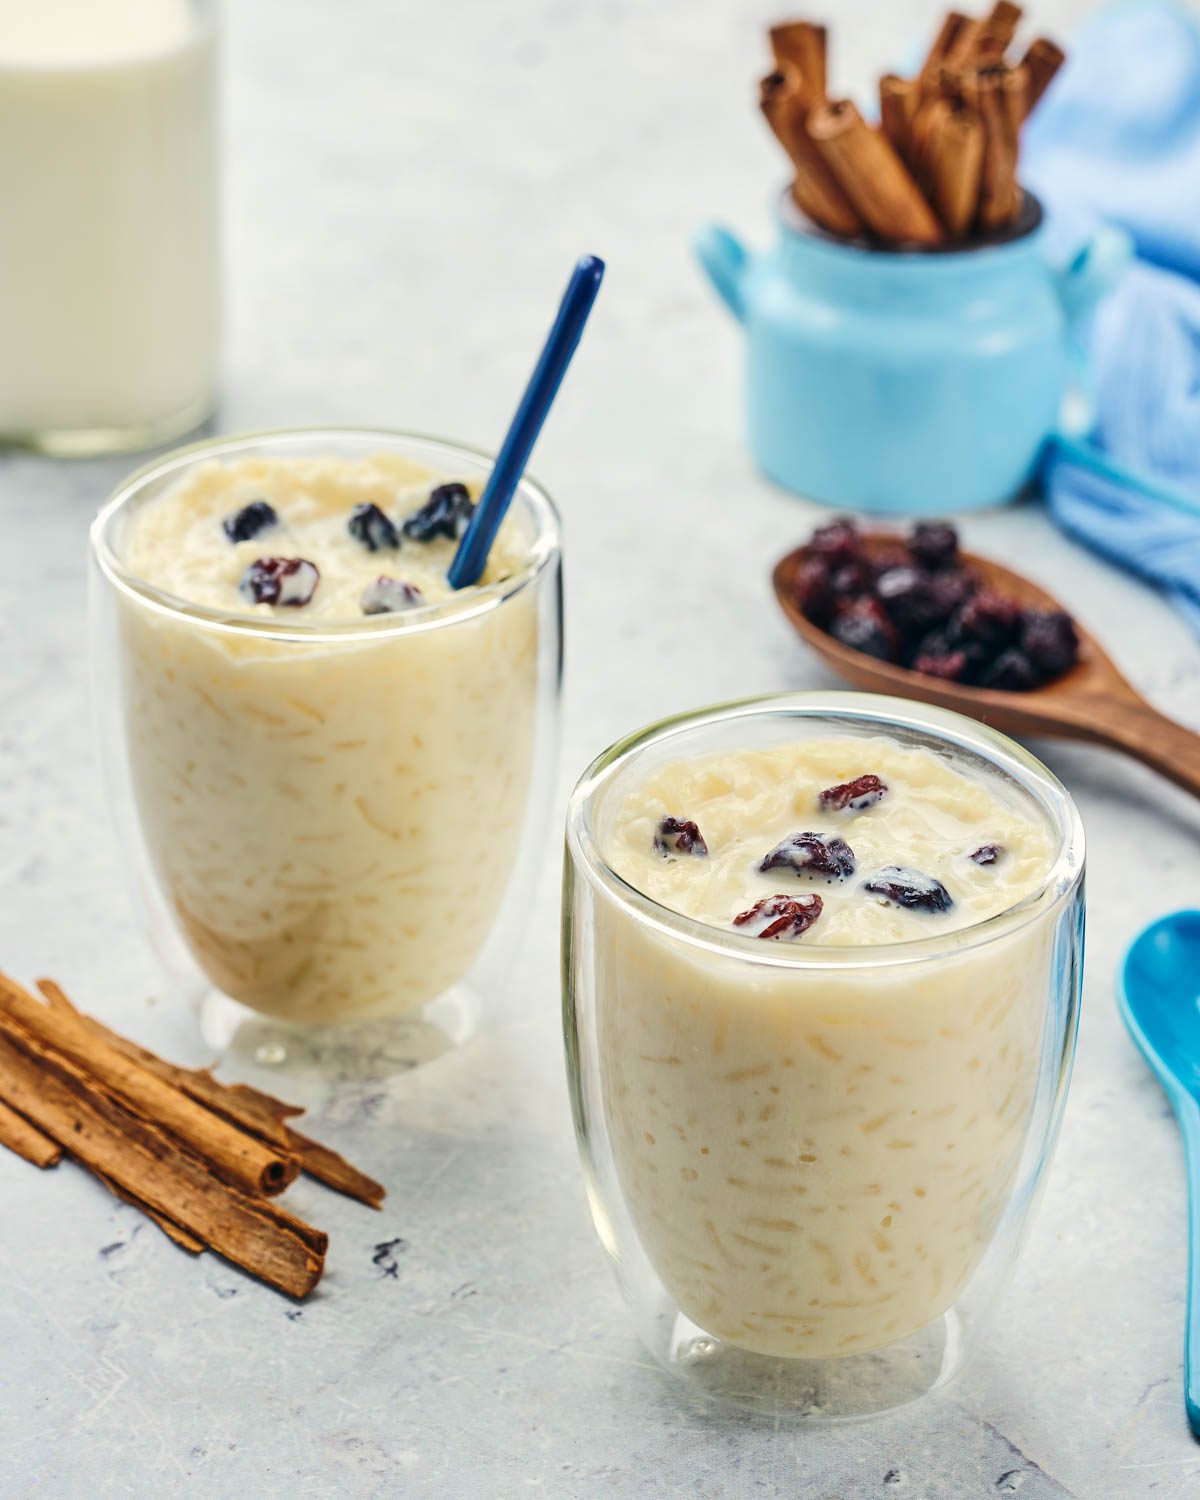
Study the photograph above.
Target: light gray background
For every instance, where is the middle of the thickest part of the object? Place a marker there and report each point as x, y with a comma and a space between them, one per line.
408, 185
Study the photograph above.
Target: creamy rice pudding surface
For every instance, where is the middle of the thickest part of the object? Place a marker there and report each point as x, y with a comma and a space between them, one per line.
333, 818
815, 1159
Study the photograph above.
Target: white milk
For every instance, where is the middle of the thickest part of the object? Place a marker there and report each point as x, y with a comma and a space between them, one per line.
108, 256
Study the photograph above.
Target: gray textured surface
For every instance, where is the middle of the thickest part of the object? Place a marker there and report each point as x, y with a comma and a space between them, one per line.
408, 185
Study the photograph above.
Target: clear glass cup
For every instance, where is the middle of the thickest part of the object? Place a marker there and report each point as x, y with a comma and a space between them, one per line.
812, 1167
331, 822
109, 256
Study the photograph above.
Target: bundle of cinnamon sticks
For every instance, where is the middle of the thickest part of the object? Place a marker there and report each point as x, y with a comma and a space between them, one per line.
941, 166
202, 1159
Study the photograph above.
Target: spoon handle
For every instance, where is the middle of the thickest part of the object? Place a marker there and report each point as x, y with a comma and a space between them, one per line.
1134, 726
1187, 1111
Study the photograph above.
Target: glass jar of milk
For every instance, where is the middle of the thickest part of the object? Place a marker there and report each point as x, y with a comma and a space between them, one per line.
108, 255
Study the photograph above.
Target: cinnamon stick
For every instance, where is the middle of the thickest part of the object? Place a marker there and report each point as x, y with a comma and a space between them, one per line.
955, 166
962, 49
953, 22
20, 1136
173, 1232
803, 45
815, 190
1042, 61
999, 28
101, 1134
899, 101
872, 175
260, 1113
1014, 86
999, 197
99, 1068
929, 117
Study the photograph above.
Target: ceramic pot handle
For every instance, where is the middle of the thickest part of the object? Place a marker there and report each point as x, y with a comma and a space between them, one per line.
1094, 270
725, 260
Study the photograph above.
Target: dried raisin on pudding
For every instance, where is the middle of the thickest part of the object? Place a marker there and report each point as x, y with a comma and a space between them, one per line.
369, 525
780, 916
810, 854
447, 513
246, 523
910, 889
390, 596
854, 796
986, 854
280, 580
677, 836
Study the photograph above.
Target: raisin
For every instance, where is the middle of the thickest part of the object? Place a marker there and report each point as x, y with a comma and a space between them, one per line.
390, 596
950, 590
934, 544
887, 558
280, 580
949, 666
987, 854
911, 599
813, 590
865, 627
674, 836
810, 854
780, 916
1050, 641
837, 543
369, 525
851, 580
447, 513
909, 888
1011, 672
857, 795
249, 521
989, 618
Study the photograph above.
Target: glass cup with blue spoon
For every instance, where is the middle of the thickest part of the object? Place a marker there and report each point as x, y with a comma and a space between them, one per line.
561, 343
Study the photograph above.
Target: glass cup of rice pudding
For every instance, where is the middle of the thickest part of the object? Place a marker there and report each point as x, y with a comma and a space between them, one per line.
325, 757
822, 960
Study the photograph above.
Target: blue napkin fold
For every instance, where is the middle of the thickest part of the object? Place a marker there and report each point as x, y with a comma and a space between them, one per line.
1117, 139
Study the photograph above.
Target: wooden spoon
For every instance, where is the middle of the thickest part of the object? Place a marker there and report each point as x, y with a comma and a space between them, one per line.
1091, 702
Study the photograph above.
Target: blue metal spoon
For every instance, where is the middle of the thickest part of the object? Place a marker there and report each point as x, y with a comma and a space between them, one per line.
1159, 997
471, 557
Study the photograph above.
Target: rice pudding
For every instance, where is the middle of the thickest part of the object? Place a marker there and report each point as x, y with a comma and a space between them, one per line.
320, 729
814, 1159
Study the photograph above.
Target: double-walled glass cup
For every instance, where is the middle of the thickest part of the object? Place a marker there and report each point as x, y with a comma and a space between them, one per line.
334, 822
812, 1166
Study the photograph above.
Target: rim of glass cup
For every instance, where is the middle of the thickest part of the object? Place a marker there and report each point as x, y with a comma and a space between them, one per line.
543, 547
883, 712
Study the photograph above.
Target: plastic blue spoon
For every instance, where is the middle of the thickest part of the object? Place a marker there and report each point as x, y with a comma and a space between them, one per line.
1160, 1002
471, 557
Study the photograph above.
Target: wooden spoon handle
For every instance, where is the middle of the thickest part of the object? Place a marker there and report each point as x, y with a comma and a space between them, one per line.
1147, 735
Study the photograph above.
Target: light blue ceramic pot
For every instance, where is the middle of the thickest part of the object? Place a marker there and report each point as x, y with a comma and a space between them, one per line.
906, 382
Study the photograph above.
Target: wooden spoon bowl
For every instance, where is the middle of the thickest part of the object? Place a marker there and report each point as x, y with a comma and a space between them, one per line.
1091, 702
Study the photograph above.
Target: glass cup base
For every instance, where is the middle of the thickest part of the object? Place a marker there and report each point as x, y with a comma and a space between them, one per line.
94, 442
367, 1050
811, 1391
